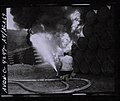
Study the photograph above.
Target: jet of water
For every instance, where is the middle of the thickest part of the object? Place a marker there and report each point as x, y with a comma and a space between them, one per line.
44, 48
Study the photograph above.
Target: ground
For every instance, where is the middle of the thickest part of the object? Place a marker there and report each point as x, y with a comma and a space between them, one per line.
99, 83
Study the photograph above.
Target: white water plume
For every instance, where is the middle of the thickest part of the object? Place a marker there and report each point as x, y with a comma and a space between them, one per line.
48, 48
44, 48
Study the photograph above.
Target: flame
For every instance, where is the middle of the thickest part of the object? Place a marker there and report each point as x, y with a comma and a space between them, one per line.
76, 25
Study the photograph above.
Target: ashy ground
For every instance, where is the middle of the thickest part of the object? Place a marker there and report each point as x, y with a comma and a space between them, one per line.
99, 83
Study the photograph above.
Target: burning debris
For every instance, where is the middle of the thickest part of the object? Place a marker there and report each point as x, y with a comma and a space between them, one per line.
52, 52
59, 41
49, 30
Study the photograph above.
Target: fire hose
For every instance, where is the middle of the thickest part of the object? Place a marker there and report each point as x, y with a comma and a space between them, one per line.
58, 91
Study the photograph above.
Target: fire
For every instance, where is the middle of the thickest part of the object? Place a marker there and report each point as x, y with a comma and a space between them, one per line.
48, 48
76, 25
51, 47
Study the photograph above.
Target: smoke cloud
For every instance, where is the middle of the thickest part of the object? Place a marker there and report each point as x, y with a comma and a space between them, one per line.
49, 16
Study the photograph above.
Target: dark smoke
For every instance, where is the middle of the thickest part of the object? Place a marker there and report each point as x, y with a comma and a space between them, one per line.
24, 17
27, 17
50, 16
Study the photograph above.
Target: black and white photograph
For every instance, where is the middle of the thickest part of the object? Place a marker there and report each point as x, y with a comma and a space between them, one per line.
55, 49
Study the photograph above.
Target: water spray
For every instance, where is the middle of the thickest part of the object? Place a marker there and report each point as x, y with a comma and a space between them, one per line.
44, 48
